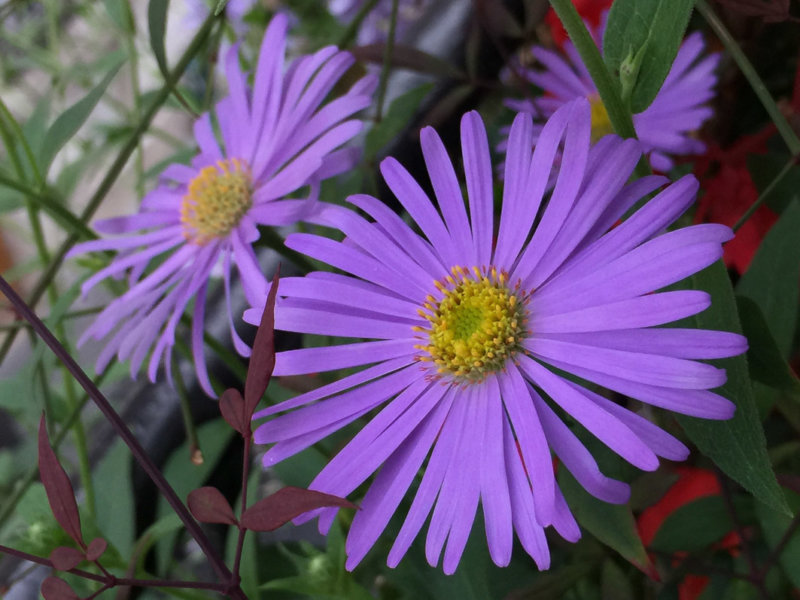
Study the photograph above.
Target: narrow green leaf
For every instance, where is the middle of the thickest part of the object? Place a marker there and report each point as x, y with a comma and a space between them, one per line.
693, 526
654, 28
70, 121
737, 445
118, 12
612, 524
764, 359
771, 280
395, 120
157, 23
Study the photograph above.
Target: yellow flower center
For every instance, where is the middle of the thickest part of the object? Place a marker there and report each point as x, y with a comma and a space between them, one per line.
477, 325
601, 124
216, 200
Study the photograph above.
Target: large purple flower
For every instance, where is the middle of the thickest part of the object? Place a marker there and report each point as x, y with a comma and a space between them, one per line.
665, 127
276, 139
473, 337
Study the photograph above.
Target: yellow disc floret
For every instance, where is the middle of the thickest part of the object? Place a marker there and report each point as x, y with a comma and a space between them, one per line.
601, 123
216, 200
476, 326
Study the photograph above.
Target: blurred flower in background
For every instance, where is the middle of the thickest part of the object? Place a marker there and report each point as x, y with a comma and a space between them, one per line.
277, 139
665, 127
471, 334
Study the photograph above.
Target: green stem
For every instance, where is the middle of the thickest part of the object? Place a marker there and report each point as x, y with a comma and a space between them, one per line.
765, 194
133, 60
17, 131
388, 50
352, 29
68, 315
784, 129
195, 453
608, 89
115, 170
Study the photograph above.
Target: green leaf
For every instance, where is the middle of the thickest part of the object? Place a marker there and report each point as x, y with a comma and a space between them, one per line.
612, 524
763, 170
114, 493
737, 445
775, 525
651, 31
615, 583
157, 23
763, 357
71, 120
693, 526
771, 280
396, 120
118, 11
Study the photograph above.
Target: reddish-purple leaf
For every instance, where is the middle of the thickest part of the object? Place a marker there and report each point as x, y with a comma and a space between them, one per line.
231, 405
96, 548
284, 505
65, 558
59, 490
262, 360
208, 505
55, 588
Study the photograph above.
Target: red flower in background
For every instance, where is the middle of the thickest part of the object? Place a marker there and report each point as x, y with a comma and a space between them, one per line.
729, 192
693, 483
591, 11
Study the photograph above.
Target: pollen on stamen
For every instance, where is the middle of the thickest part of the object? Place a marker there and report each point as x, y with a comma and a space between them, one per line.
475, 327
217, 199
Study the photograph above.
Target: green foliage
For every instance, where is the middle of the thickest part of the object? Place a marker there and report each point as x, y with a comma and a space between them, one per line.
396, 120
738, 445
647, 34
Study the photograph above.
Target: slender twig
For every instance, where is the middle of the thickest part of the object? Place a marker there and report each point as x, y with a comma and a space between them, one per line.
765, 194
115, 170
784, 128
386, 69
248, 435
122, 430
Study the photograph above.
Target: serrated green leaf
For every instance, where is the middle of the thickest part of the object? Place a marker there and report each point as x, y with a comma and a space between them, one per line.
654, 27
157, 24
763, 357
771, 280
396, 119
738, 445
612, 524
71, 120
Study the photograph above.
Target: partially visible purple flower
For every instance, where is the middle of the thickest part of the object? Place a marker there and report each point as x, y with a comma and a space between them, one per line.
665, 127
375, 27
277, 138
473, 338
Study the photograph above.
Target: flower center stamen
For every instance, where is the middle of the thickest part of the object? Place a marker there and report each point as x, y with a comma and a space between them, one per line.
216, 200
477, 325
601, 123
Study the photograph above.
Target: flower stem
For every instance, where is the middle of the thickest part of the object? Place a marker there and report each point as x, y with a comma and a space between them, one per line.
386, 69
784, 129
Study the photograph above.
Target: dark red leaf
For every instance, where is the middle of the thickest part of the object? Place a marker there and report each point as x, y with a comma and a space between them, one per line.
284, 505
55, 588
96, 548
208, 505
231, 405
59, 490
262, 360
65, 558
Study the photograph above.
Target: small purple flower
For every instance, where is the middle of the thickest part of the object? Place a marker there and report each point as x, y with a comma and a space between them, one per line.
375, 27
276, 139
664, 128
471, 337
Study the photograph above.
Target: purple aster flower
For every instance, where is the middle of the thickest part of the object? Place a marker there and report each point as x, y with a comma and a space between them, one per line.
664, 128
375, 27
472, 338
276, 139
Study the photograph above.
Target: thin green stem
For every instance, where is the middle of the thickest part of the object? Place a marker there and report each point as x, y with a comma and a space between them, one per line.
785, 130
18, 133
195, 453
133, 63
114, 171
73, 314
352, 29
386, 69
765, 194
